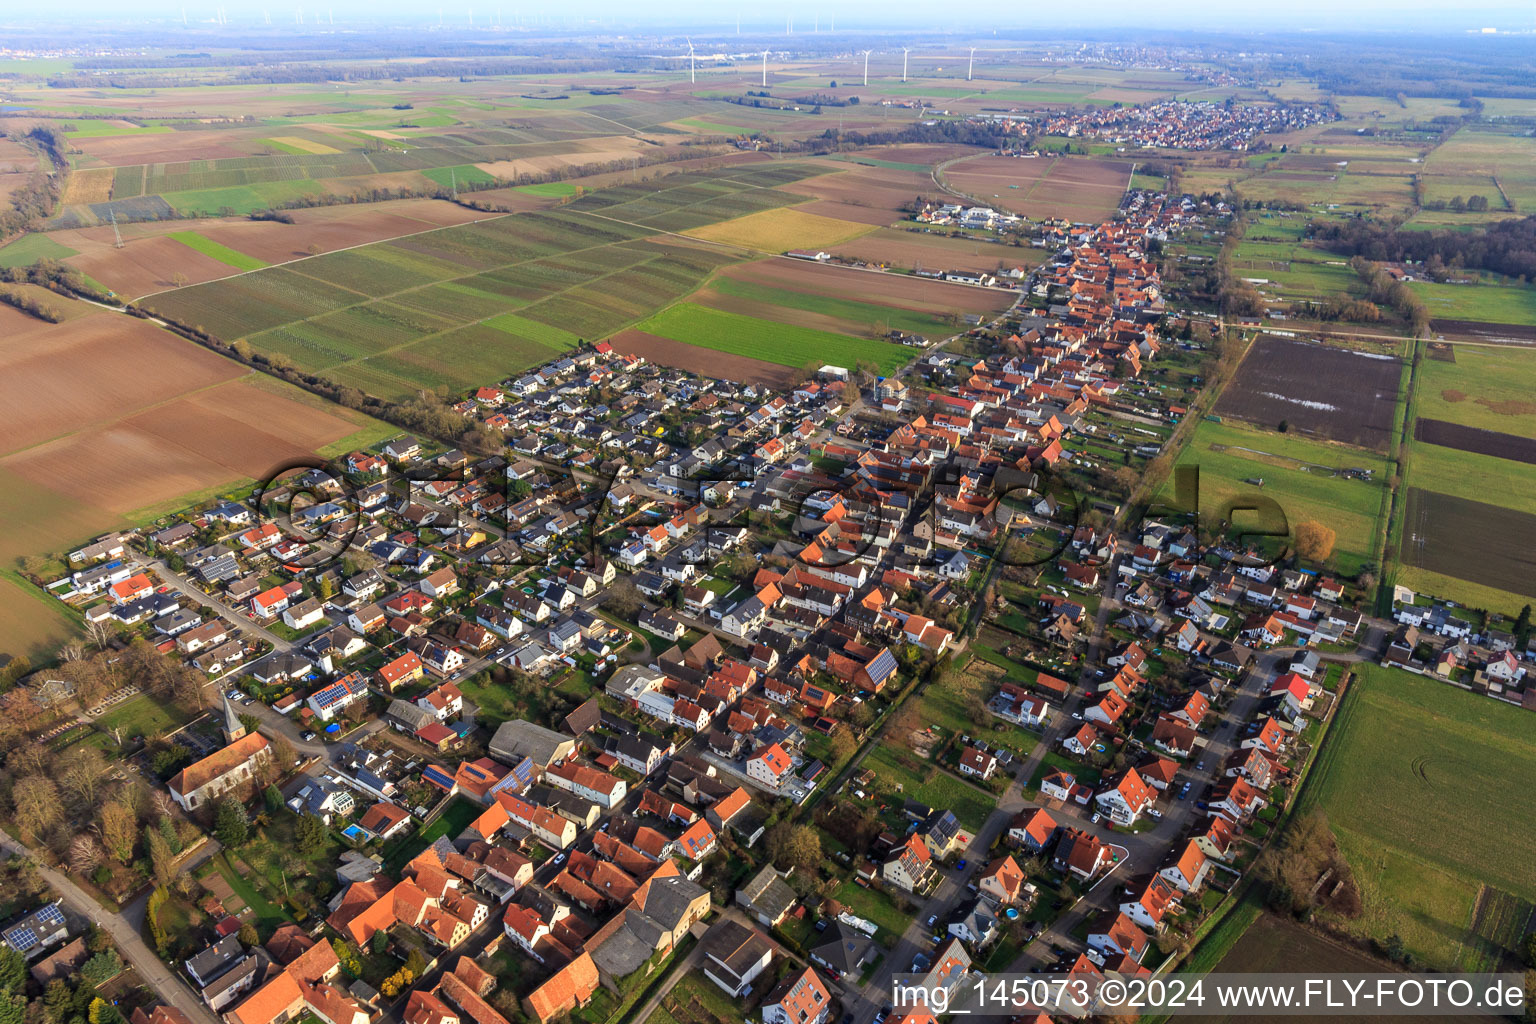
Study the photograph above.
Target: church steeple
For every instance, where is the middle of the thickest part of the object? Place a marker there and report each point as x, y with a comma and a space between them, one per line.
233, 727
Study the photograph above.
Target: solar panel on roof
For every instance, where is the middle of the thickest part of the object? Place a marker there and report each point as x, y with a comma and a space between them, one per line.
21, 939
50, 915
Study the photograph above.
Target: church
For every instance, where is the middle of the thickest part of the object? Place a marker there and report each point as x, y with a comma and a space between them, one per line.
224, 770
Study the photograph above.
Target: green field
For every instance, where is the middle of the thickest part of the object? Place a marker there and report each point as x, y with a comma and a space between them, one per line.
1294, 272
1431, 791
1463, 592
28, 249
931, 785
102, 130
1472, 476
223, 253
1486, 387
1485, 301
558, 189
771, 342
1349, 507
463, 174
858, 314
239, 200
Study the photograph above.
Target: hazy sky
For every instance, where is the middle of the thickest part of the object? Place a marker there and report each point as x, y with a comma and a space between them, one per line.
719, 19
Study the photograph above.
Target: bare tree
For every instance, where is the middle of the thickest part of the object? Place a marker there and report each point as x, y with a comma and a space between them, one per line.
84, 854
37, 804
28, 759
80, 771
119, 827
98, 633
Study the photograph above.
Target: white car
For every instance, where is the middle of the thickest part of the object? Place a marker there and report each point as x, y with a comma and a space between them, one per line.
1096, 817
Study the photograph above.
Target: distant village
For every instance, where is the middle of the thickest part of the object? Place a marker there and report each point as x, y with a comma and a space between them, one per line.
1172, 124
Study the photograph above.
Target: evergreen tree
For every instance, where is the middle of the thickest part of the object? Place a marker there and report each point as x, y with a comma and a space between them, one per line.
230, 825
309, 834
12, 1008
13, 970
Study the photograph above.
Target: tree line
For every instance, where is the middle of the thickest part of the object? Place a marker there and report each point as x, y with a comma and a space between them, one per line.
1505, 247
35, 199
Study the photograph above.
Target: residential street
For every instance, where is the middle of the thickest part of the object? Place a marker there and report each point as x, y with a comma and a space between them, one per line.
149, 966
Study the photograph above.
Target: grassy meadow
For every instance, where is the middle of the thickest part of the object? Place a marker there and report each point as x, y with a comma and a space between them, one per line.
1349, 507
1431, 791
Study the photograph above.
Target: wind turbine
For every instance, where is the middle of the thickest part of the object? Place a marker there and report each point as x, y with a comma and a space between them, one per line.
971, 66
866, 68
904, 63
690, 61
765, 69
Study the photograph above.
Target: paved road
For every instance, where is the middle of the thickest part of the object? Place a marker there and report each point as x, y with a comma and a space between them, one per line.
176, 582
149, 966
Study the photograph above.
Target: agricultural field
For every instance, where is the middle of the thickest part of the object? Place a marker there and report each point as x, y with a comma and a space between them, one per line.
1486, 301
785, 344
28, 249
1469, 477
1291, 272
430, 311
1495, 161
1468, 539
1475, 440
697, 359
1076, 188
1486, 387
113, 419
1473, 475
214, 250
1413, 769
1321, 391
1275, 945
1300, 475
780, 230
904, 250
844, 301
862, 194
150, 257
34, 625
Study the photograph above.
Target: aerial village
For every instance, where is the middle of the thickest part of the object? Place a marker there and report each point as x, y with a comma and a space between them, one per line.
704, 690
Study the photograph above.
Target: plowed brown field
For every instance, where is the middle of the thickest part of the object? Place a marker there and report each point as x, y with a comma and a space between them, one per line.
700, 360
147, 261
